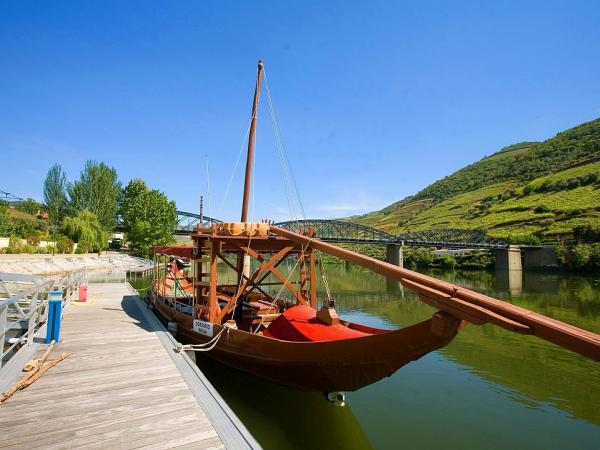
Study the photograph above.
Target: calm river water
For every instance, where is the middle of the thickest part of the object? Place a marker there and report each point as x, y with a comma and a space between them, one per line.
488, 389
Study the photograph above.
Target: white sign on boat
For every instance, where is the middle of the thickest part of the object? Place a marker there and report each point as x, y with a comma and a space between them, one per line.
202, 327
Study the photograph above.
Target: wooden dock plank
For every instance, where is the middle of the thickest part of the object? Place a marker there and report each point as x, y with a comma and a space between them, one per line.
212, 443
118, 389
37, 396
149, 415
77, 407
144, 436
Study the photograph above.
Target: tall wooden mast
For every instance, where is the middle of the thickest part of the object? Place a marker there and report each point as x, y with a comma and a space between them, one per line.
250, 157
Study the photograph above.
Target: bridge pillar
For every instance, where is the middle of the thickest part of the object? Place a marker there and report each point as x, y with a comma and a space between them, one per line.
394, 254
508, 258
509, 268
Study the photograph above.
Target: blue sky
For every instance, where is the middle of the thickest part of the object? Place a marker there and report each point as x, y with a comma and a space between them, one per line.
375, 100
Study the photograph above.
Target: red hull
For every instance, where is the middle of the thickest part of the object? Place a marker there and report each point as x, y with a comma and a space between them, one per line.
342, 365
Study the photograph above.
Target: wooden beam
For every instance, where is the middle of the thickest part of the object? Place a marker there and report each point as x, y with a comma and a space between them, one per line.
246, 278
464, 310
212, 293
312, 273
297, 294
302, 262
568, 336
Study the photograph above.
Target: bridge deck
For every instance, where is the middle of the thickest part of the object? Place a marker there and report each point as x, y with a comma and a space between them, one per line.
118, 389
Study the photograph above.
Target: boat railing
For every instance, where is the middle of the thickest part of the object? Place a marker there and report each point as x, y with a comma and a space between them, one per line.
23, 307
177, 305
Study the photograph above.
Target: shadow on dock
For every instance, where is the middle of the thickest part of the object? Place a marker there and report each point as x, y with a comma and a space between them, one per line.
131, 305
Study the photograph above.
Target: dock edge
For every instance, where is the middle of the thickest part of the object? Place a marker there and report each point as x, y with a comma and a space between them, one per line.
230, 429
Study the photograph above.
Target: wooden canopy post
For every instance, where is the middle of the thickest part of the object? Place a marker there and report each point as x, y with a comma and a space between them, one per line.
198, 276
240, 267
312, 273
212, 294
302, 262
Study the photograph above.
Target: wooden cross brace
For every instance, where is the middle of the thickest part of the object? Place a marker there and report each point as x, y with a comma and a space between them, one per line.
267, 266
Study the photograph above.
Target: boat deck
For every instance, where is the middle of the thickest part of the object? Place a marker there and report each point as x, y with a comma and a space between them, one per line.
120, 388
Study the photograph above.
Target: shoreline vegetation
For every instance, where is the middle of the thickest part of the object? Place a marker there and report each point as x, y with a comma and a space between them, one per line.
80, 216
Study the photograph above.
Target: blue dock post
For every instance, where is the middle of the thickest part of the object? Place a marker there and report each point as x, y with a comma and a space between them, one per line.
55, 303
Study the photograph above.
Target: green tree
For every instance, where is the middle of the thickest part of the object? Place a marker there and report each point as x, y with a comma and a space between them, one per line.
448, 261
55, 196
6, 228
86, 230
580, 256
98, 190
24, 227
594, 262
29, 206
149, 218
423, 257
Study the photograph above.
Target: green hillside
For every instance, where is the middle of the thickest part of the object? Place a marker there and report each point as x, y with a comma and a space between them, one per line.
542, 188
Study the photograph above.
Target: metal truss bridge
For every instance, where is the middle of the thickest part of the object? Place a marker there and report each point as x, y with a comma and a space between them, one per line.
186, 222
10, 198
339, 231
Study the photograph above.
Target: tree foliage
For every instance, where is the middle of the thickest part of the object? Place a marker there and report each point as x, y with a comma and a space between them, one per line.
586, 234
86, 230
29, 206
149, 218
98, 190
21, 227
55, 193
5, 225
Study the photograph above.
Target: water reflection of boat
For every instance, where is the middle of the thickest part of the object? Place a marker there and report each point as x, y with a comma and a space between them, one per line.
531, 371
270, 412
290, 341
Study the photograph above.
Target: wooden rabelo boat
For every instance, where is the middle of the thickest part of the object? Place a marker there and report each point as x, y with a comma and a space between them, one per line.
293, 339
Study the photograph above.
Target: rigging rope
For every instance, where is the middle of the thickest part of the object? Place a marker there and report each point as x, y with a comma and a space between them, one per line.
291, 188
208, 187
324, 277
241, 276
235, 167
287, 174
289, 182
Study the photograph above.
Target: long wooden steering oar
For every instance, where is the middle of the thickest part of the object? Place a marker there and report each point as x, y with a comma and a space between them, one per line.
466, 304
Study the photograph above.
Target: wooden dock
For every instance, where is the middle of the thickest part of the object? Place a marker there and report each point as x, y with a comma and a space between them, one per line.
122, 387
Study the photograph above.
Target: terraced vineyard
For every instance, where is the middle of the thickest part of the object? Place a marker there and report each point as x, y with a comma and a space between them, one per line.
545, 188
